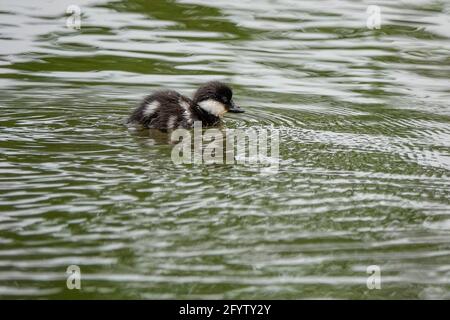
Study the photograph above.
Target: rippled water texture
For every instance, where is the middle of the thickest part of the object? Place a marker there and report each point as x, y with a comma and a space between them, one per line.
364, 122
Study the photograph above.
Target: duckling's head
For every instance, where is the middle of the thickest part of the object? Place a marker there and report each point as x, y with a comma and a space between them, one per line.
216, 98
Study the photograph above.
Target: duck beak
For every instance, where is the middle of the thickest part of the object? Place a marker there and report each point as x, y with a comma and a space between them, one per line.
234, 108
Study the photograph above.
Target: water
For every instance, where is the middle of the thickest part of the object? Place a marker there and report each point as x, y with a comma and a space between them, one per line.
364, 124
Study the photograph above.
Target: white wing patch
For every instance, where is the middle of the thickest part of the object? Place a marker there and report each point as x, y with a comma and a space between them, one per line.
183, 104
151, 108
187, 116
214, 107
171, 122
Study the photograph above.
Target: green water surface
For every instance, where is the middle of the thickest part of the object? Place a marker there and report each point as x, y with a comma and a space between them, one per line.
364, 176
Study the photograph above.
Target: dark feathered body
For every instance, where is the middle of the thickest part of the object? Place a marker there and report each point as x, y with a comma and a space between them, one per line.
167, 110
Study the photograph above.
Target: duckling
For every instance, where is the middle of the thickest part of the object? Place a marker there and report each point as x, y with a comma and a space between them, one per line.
167, 110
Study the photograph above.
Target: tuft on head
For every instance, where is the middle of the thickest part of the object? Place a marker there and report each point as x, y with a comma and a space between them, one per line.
216, 98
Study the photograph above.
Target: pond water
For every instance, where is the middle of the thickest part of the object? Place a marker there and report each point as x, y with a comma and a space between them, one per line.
363, 117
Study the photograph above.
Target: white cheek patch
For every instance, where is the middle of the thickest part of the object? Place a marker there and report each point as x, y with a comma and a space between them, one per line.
214, 107
151, 108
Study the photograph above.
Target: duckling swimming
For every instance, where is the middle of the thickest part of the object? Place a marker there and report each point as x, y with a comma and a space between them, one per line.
167, 110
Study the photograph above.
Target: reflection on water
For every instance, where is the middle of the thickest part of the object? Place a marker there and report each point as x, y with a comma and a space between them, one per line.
364, 126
